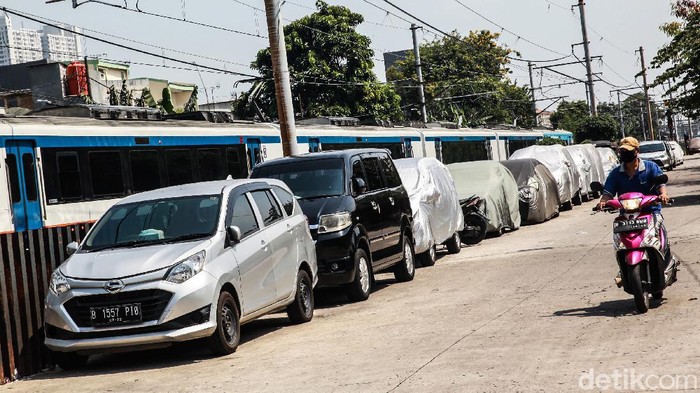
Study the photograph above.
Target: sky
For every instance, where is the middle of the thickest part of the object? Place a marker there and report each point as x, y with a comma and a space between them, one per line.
537, 29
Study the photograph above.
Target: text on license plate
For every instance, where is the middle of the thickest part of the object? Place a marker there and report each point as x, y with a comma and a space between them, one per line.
630, 225
115, 315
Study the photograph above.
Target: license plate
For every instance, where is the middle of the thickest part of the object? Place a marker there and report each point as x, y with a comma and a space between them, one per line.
630, 225
123, 314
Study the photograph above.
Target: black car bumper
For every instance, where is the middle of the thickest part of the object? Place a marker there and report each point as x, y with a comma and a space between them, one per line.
335, 255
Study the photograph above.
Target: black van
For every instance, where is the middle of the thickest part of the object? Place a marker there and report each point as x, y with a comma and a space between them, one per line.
358, 211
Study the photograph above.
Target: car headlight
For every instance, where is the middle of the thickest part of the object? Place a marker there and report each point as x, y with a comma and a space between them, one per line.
334, 222
59, 284
631, 205
187, 268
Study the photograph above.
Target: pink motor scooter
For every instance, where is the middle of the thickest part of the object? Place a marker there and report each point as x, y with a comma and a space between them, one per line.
643, 253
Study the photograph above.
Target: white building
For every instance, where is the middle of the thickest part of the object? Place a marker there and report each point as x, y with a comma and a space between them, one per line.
25, 45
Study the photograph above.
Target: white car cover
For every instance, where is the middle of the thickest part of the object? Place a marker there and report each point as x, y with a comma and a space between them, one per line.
436, 211
597, 169
677, 151
610, 160
556, 162
583, 165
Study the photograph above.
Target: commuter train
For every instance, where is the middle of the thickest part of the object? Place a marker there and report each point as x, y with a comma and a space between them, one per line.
60, 171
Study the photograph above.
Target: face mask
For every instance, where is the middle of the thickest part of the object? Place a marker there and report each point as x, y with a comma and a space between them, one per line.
627, 156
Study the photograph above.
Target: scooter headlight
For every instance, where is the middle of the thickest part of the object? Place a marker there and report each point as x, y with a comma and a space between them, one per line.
631, 205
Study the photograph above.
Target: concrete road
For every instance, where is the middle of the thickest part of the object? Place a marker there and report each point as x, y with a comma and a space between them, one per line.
534, 310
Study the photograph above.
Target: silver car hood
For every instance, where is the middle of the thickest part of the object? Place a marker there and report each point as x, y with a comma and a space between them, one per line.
125, 262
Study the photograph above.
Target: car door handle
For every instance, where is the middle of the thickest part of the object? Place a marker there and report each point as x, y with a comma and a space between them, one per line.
263, 245
375, 206
391, 199
290, 229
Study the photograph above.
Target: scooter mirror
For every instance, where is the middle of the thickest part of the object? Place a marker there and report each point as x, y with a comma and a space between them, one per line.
597, 186
663, 179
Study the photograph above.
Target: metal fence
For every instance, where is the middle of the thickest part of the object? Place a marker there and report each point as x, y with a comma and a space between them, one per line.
28, 259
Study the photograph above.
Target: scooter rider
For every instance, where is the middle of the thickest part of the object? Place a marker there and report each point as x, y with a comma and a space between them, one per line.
634, 175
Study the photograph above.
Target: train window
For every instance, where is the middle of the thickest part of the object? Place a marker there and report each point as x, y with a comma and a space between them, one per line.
106, 173
236, 162
68, 176
210, 167
145, 172
179, 163
29, 176
14, 178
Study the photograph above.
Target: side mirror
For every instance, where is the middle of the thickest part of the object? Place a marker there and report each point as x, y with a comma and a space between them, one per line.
71, 248
359, 185
234, 234
663, 179
597, 186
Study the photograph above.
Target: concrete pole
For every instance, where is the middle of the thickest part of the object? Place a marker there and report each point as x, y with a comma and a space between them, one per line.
587, 53
646, 94
532, 93
280, 70
419, 73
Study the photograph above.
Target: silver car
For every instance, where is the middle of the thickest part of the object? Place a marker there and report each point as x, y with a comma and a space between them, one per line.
658, 152
182, 263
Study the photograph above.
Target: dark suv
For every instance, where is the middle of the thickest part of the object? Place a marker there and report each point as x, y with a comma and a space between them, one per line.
359, 214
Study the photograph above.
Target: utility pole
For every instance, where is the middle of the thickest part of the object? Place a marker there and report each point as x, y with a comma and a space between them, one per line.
532, 93
280, 71
622, 117
419, 73
587, 53
641, 116
646, 93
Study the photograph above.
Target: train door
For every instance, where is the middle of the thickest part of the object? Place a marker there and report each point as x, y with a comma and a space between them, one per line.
255, 155
314, 145
408, 148
24, 189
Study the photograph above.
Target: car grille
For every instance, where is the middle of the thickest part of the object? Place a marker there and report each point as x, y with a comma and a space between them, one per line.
153, 302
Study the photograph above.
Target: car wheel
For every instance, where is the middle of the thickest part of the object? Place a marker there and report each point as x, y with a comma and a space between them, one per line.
360, 288
454, 244
406, 269
302, 308
69, 360
577, 199
428, 258
567, 206
227, 335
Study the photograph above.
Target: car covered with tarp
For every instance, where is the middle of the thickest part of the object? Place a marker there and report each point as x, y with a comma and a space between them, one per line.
496, 186
537, 190
584, 167
437, 215
609, 159
597, 169
558, 164
694, 146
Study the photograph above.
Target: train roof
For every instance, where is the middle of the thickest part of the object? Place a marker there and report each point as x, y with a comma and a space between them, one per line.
320, 155
191, 189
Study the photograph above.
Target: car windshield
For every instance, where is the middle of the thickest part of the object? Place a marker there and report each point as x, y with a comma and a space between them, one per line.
309, 178
651, 147
155, 222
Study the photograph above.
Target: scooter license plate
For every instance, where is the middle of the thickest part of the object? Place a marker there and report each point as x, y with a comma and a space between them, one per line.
630, 225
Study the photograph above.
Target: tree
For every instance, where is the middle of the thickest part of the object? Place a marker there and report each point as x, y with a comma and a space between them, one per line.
570, 115
465, 78
602, 127
331, 70
192, 105
125, 97
113, 98
683, 55
166, 103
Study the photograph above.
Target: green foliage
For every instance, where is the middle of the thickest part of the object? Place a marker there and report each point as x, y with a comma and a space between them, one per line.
682, 55
125, 96
147, 98
192, 105
603, 127
331, 68
465, 78
548, 141
166, 103
113, 98
570, 115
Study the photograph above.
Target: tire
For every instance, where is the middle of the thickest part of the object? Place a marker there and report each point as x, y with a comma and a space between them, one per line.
474, 221
227, 335
567, 206
359, 289
641, 296
576, 200
428, 258
658, 295
586, 197
69, 360
406, 269
454, 244
301, 310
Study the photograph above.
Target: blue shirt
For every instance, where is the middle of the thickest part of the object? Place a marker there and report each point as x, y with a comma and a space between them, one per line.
619, 183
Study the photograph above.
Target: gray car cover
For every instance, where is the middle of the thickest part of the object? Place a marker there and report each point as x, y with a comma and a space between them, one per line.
596, 164
557, 163
495, 185
609, 159
537, 190
436, 211
582, 163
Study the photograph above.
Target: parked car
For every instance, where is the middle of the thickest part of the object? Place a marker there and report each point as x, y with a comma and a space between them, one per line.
537, 190
597, 170
609, 160
658, 152
558, 164
577, 181
437, 215
694, 146
677, 151
496, 186
358, 211
182, 263
583, 165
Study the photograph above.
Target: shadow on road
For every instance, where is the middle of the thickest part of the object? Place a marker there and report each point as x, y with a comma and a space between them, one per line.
684, 200
612, 309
